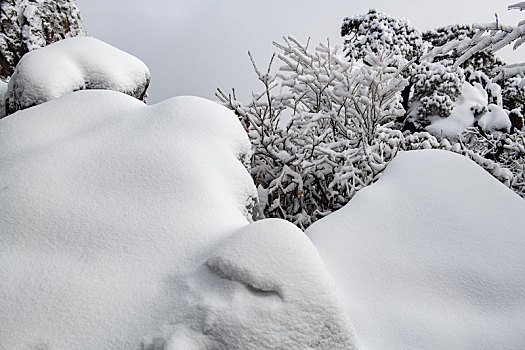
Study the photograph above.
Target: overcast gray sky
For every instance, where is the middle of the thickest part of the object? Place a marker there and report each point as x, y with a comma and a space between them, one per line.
194, 46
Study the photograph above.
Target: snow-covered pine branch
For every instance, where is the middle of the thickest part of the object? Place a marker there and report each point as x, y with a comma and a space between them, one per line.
488, 37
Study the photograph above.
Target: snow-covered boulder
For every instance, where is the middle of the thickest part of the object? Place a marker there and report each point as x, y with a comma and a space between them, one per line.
265, 288
74, 64
430, 257
26, 25
495, 119
126, 226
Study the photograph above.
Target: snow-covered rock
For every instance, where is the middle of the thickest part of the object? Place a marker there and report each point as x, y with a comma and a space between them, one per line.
266, 288
125, 226
495, 119
74, 64
430, 257
27, 24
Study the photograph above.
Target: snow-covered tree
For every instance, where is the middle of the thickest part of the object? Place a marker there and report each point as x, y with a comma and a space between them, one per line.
26, 25
483, 38
376, 32
485, 61
513, 93
436, 88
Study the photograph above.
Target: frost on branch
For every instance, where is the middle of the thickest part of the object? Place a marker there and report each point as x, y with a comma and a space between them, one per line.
315, 128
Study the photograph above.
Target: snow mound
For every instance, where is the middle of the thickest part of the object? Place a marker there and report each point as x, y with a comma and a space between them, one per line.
496, 119
265, 288
74, 64
103, 202
430, 257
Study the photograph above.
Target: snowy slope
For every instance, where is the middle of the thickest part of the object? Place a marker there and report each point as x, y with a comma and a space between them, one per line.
74, 64
430, 257
120, 225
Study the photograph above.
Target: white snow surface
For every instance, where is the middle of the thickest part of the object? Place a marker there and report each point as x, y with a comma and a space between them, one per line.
430, 257
124, 226
74, 64
495, 119
266, 288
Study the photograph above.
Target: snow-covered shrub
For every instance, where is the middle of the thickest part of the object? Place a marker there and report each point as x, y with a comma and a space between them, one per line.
377, 32
314, 128
458, 83
505, 151
493, 89
74, 64
436, 88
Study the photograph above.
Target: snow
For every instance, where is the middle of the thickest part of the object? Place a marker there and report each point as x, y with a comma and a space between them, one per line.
462, 115
267, 288
126, 226
495, 91
102, 198
74, 64
430, 257
29, 11
496, 119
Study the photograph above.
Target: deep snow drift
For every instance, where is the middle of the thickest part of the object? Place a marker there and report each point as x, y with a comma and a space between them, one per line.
74, 64
265, 288
123, 224
430, 257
